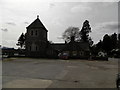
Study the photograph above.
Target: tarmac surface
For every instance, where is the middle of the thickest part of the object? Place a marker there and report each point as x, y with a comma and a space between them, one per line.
56, 73
0, 73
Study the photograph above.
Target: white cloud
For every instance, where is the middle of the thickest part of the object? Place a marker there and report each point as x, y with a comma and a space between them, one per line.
81, 8
9, 43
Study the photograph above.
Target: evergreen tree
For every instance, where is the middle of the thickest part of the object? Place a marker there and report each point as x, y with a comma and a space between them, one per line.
119, 37
107, 44
90, 42
94, 50
119, 41
21, 41
84, 33
114, 41
99, 45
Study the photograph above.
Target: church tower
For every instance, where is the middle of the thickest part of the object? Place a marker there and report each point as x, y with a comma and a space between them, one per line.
36, 39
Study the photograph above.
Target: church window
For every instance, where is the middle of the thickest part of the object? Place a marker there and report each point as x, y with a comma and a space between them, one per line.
36, 33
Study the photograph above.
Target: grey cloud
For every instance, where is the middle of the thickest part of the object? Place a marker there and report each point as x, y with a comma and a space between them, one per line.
107, 26
99, 30
51, 5
4, 29
11, 23
112, 26
26, 23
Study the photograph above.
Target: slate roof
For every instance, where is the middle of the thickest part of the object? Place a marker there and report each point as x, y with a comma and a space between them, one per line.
58, 46
73, 46
37, 24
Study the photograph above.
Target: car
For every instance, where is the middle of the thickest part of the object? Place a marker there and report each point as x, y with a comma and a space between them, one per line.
63, 56
5, 56
118, 81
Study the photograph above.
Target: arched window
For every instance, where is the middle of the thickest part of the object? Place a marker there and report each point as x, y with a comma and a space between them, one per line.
34, 47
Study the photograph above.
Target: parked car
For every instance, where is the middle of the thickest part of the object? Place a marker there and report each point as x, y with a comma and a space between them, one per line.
5, 56
63, 56
118, 81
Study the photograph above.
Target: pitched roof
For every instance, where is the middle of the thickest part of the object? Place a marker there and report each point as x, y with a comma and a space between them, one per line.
72, 46
37, 24
58, 46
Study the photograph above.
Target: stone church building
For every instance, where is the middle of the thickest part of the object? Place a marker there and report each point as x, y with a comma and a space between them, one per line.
36, 39
37, 44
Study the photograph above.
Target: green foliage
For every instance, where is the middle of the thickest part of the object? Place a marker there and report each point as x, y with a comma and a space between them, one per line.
84, 33
21, 41
114, 40
69, 32
119, 37
109, 43
118, 41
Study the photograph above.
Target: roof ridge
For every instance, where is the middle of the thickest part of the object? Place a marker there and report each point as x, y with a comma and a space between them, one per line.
37, 24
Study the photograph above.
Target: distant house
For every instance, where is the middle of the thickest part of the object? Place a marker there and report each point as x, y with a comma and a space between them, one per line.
77, 49
8, 51
37, 44
11, 52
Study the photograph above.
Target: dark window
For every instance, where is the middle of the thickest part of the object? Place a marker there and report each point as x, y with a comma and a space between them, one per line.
36, 48
30, 48
81, 53
36, 32
31, 32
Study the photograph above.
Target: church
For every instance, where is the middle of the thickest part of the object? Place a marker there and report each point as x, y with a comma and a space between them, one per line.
37, 44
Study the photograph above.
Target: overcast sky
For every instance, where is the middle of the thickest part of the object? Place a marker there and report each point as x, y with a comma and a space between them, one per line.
57, 15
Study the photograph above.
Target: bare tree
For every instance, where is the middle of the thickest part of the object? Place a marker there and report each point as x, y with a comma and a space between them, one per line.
69, 32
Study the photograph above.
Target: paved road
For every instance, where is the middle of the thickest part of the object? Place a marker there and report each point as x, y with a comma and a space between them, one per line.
42, 73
